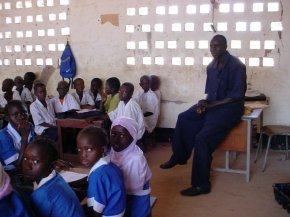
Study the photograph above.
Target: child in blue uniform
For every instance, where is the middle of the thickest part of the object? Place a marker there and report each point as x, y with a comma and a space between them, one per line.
52, 196
10, 203
130, 159
106, 192
15, 137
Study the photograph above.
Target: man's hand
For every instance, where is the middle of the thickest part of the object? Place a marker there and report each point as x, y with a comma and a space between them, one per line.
201, 106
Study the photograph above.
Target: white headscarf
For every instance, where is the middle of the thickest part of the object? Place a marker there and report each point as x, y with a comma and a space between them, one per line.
5, 187
131, 160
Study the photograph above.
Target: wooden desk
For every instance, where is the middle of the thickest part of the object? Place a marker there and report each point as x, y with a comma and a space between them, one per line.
73, 123
240, 140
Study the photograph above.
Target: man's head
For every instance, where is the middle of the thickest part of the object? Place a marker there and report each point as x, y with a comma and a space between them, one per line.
218, 46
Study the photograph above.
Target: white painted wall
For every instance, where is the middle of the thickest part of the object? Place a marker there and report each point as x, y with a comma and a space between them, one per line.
100, 50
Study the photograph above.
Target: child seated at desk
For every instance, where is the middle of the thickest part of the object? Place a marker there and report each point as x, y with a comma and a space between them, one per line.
106, 194
9, 94
82, 97
128, 107
96, 92
15, 137
43, 113
52, 196
112, 90
10, 202
65, 101
130, 159
24, 93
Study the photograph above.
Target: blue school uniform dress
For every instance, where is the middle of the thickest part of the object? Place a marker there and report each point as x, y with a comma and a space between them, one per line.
10, 144
54, 198
138, 205
106, 191
11, 206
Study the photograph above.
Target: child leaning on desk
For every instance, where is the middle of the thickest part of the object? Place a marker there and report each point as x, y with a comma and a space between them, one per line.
65, 101
52, 196
42, 113
106, 192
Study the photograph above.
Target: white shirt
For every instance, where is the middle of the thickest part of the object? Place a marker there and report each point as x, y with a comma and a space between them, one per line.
40, 115
158, 94
86, 100
132, 110
98, 98
3, 101
69, 103
25, 95
149, 103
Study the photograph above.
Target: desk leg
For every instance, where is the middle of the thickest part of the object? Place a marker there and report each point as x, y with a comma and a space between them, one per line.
248, 155
59, 141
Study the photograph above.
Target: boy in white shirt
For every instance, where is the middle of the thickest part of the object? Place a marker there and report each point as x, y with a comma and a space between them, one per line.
150, 106
43, 113
65, 101
149, 103
24, 93
128, 107
84, 99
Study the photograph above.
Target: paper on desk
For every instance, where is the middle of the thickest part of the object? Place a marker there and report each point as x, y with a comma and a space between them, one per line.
85, 110
69, 176
256, 104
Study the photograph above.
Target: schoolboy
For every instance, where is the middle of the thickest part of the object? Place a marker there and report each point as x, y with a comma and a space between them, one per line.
43, 113
9, 94
128, 107
65, 101
149, 103
96, 93
112, 88
106, 186
24, 93
82, 97
155, 86
52, 196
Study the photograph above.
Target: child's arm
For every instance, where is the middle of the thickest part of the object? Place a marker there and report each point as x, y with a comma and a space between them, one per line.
47, 125
24, 130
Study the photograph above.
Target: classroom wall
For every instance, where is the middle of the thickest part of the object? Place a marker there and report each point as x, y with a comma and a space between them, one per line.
98, 39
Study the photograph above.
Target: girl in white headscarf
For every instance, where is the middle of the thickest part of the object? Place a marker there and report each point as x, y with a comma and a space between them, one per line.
130, 159
10, 203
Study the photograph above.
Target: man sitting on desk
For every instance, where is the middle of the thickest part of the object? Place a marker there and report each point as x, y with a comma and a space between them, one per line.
205, 125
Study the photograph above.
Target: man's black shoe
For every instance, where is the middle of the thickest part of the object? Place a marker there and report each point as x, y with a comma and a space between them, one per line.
195, 191
171, 163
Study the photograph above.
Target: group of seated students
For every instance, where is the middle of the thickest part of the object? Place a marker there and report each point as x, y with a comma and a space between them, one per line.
118, 183
118, 100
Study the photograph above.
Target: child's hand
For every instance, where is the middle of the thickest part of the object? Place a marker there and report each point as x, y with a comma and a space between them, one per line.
24, 128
